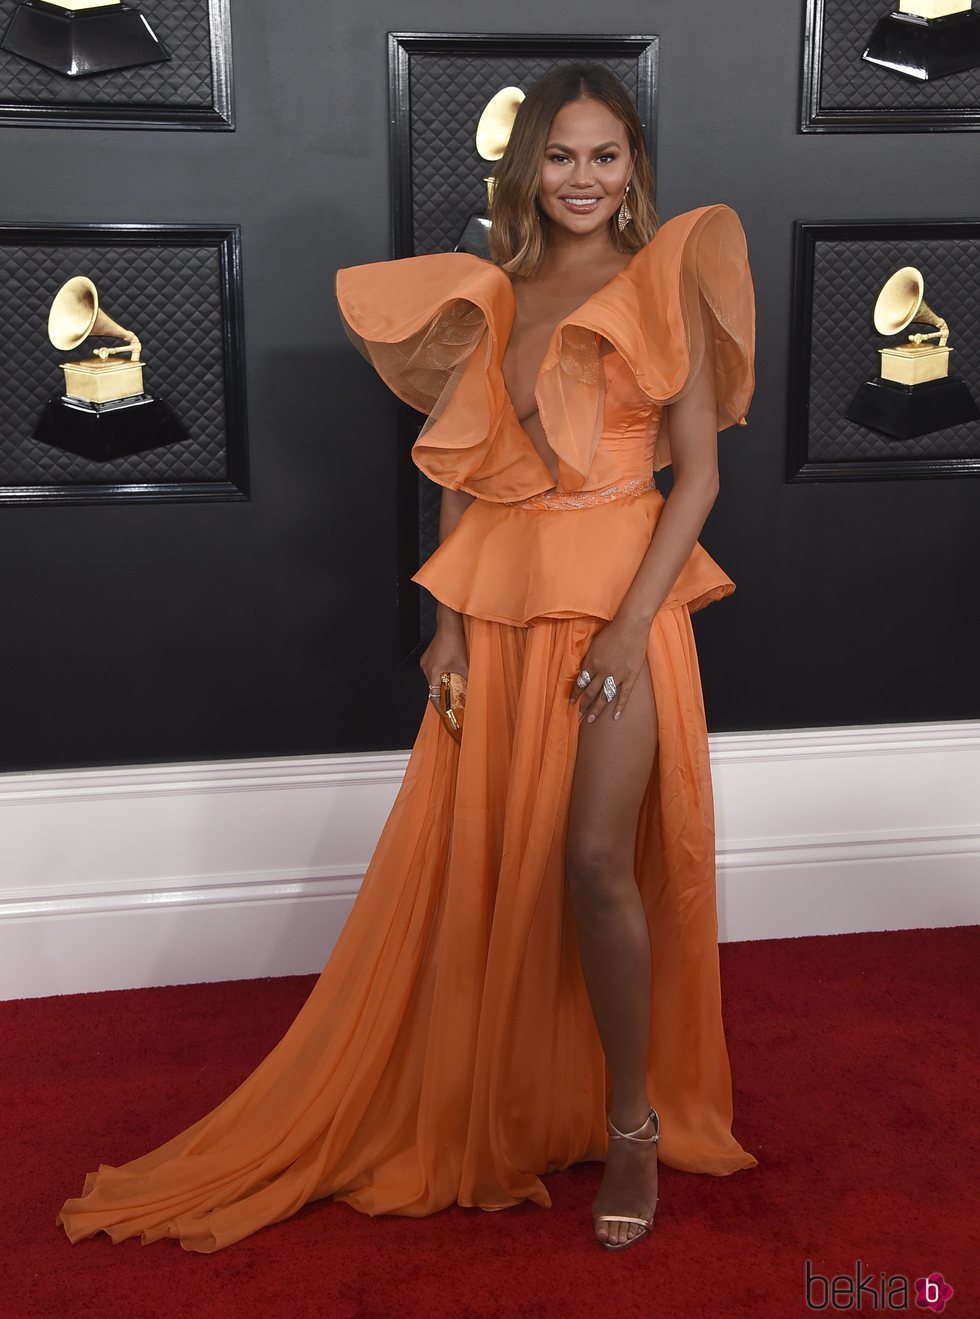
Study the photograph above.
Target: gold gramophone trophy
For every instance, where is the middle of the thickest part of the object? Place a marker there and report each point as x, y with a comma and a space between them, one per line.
81, 37
914, 394
492, 135
926, 39
104, 411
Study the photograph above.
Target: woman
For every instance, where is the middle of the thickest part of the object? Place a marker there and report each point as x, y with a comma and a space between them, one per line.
531, 961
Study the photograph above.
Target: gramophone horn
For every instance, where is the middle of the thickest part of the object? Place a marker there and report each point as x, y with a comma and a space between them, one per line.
75, 314
900, 302
493, 130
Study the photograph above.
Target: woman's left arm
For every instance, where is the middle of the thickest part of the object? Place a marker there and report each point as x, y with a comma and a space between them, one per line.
620, 647
694, 454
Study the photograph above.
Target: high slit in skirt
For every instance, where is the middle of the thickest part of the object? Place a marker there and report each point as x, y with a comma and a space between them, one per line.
447, 1053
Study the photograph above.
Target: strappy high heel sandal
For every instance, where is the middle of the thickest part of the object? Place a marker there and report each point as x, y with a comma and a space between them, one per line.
645, 1223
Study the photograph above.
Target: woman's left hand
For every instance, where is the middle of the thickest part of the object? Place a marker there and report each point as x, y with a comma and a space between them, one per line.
620, 649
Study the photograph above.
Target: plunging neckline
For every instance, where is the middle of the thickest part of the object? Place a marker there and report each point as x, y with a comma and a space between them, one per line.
571, 316
576, 311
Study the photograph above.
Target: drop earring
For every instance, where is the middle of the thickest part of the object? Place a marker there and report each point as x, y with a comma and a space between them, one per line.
624, 214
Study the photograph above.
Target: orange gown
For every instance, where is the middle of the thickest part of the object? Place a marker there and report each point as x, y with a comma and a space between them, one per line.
447, 1052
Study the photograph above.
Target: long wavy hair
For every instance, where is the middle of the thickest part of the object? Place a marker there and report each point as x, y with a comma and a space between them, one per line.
517, 234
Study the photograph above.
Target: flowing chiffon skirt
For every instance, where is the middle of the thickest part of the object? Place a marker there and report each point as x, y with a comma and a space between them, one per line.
448, 1053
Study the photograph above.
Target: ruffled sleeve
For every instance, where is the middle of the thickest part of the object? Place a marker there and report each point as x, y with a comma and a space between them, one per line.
432, 327
416, 320
706, 255
652, 314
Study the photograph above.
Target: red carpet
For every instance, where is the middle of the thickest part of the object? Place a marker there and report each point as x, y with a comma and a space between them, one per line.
854, 1060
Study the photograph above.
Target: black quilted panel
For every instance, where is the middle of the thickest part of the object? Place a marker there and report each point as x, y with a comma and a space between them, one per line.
847, 278
171, 297
847, 82
184, 80
448, 95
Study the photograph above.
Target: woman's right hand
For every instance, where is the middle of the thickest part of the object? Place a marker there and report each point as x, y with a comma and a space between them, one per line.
445, 653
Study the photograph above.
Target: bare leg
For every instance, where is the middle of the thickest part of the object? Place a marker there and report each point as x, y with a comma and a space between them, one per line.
613, 765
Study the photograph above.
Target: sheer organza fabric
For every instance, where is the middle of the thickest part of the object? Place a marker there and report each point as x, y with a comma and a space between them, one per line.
447, 1053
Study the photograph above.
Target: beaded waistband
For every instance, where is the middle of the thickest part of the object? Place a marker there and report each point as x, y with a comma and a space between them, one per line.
635, 485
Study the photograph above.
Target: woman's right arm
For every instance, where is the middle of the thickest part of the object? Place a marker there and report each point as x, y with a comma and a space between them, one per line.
447, 651
452, 507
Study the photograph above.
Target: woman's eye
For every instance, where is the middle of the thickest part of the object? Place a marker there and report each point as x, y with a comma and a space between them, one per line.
605, 156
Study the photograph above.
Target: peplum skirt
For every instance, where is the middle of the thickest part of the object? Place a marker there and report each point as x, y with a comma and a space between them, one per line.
562, 555
447, 1053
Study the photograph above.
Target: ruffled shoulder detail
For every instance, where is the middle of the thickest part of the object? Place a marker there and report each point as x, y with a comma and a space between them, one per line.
418, 318
433, 327
651, 313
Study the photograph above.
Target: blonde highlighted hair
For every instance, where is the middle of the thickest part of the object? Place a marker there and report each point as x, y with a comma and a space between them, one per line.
517, 234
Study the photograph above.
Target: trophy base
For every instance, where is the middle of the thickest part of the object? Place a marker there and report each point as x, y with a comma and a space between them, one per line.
904, 411
80, 42
914, 364
92, 380
926, 48
104, 431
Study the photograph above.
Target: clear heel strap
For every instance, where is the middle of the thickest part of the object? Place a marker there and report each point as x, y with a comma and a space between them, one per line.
616, 1134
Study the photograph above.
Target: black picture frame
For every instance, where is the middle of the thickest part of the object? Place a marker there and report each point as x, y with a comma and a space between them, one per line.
838, 269
842, 93
155, 96
198, 365
473, 65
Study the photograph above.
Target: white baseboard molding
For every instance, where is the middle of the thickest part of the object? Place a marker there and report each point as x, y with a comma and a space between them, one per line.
179, 874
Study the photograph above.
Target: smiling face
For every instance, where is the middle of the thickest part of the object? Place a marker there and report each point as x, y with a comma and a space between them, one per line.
587, 164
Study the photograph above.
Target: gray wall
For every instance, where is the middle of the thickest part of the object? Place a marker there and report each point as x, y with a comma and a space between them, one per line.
143, 632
